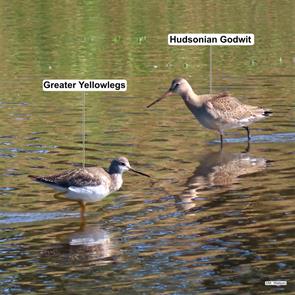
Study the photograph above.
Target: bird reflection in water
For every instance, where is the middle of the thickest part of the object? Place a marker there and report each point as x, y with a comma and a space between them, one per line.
217, 172
89, 244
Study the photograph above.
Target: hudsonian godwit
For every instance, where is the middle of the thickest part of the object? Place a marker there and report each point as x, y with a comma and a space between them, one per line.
218, 112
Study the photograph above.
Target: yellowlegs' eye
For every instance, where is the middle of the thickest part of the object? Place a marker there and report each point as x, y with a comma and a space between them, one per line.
123, 164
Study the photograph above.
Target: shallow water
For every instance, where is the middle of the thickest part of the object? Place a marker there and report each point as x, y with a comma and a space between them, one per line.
209, 221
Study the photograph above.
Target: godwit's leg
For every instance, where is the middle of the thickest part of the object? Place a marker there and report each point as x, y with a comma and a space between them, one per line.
248, 132
221, 140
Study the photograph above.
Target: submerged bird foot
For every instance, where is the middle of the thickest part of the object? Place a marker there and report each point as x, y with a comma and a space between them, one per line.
247, 149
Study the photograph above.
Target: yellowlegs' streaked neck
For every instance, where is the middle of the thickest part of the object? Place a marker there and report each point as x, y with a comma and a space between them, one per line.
88, 185
218, 112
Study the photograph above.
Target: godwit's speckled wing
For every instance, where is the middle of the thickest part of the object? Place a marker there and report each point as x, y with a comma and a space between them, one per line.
228, 109
93, 176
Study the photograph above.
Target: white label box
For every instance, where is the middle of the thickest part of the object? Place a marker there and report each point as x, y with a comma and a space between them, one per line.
211, 39
84, 85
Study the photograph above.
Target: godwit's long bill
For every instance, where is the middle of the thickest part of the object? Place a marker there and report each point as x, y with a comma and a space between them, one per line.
216, 111
88, 185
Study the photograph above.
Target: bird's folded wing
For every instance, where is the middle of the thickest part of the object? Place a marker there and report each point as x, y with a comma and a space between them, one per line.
226, 107
77, 177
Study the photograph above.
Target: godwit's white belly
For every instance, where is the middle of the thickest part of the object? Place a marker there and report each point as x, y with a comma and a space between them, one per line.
210, 122
207, 121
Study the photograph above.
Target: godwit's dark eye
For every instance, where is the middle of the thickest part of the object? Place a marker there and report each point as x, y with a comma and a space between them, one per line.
123, 164
176, 86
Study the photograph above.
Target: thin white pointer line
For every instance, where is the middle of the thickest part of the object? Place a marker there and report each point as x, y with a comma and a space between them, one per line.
210, 70
83, 129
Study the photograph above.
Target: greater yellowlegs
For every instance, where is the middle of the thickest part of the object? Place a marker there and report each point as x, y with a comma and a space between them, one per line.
88, 185
216, 111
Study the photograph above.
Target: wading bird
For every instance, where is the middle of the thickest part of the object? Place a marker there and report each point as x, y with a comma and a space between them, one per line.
218, 112
89, 185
